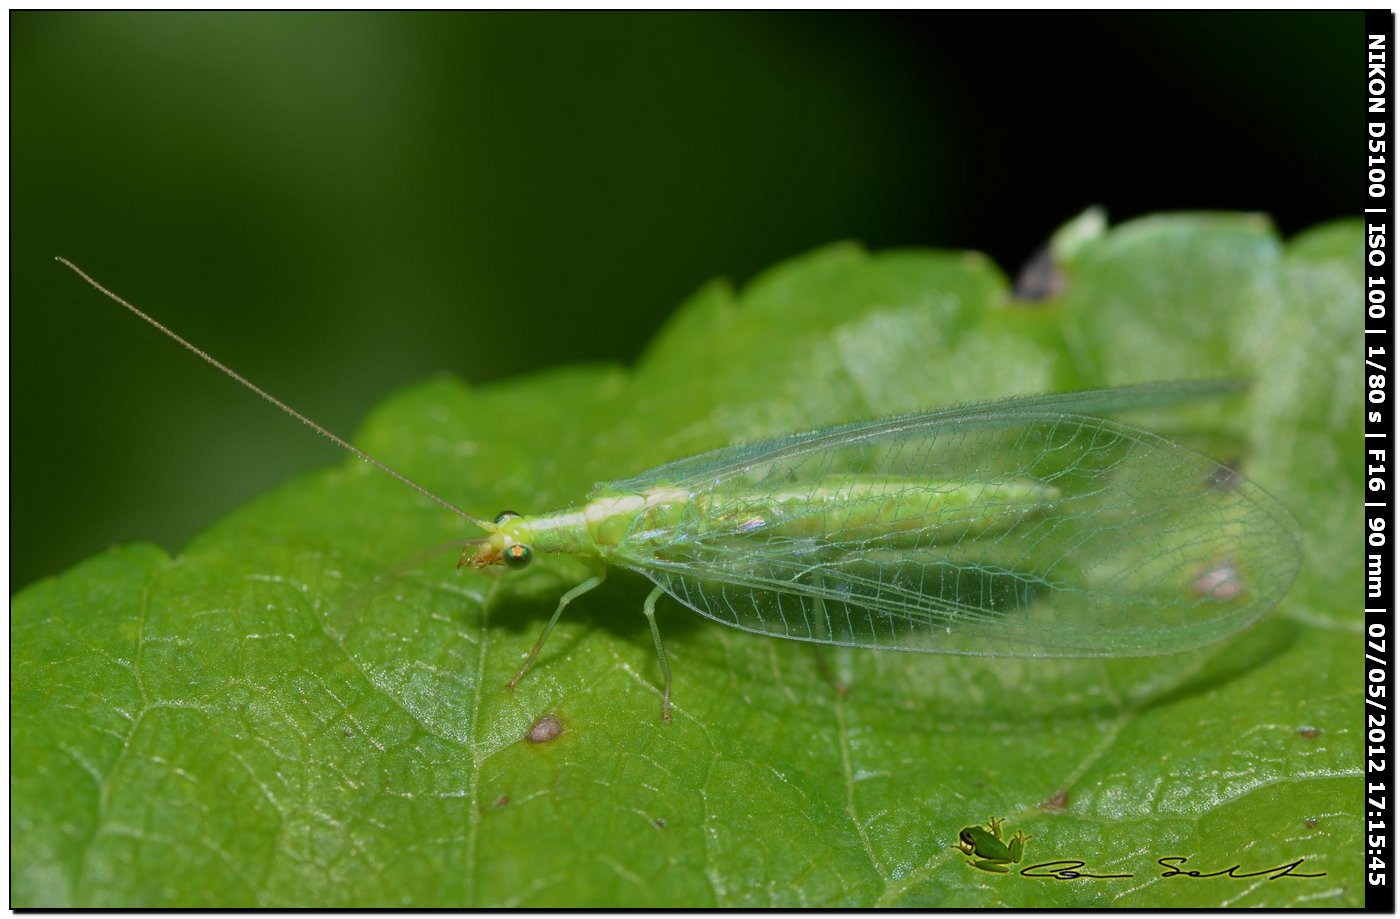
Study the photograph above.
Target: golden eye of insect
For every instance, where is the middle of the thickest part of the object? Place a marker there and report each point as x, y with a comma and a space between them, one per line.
516, 557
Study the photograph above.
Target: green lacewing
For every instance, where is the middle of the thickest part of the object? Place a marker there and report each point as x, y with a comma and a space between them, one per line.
1027, 527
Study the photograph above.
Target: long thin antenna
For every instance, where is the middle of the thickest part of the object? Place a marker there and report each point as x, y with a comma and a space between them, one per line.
339, 441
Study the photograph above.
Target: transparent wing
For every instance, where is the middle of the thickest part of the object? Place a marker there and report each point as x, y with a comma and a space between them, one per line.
729, 460
1115, 542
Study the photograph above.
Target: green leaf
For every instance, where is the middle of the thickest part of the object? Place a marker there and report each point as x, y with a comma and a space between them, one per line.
304, 709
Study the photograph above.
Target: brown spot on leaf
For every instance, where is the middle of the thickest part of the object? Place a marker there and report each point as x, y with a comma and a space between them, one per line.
545, 729
1055, 802
1225, 477
1039, 278
1221, 581
1307, 731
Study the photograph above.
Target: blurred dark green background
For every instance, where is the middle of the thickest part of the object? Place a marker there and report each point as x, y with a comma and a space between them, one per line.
339, 204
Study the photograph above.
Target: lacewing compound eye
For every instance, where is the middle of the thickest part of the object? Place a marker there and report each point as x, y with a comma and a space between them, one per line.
516, 557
